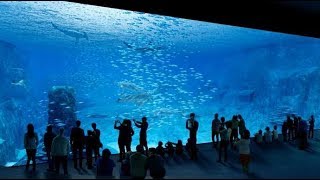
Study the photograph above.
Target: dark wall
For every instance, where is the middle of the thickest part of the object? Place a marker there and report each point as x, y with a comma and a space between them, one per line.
293, 17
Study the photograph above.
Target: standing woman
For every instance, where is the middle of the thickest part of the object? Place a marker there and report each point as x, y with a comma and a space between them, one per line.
125, 136
30, 144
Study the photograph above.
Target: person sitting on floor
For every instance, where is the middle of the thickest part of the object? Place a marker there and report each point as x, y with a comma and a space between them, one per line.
169, 149
155, 164
159, 149
138, 163
178, 147
125, 165
105, 165
188, 146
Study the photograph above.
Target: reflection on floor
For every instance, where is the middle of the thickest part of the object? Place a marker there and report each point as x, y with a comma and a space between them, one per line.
268, 161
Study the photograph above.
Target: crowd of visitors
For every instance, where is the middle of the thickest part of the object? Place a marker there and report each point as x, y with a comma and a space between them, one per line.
136, 165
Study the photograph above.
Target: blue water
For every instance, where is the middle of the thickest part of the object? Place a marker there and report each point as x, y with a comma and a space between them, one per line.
177, 66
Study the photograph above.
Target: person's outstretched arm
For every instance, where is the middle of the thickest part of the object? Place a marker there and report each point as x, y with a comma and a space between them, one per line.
138, 124
115, 125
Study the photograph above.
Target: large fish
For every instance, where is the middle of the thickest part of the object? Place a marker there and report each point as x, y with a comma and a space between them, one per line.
72, 33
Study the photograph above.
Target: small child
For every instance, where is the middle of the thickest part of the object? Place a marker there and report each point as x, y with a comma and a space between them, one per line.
169, 149
275, 136
258, 137
160, 149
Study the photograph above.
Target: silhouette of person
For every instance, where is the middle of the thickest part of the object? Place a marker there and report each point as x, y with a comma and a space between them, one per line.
129, 133
160, 150
258, 137
90, 145
30, 144
143, 132
179, 147
105, 165
311, 126
215, 129
77, 142
98, 145
138, 164
275, 136
290, 128
223, 122
169, 149
48, 138
188, 146
244, 150
303, 133
285, 131
60, 150
192, 125
155, 164
267, 136
223, 143
235, 126
125, 137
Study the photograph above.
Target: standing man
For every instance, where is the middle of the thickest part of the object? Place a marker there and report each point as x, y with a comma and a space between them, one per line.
77, 142
96, 135
192, 125
60, 149
143, 132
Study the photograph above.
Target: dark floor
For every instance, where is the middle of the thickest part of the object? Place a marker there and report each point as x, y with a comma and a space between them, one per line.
268, 161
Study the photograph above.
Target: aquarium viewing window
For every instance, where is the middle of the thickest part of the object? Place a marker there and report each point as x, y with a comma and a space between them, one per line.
100, 64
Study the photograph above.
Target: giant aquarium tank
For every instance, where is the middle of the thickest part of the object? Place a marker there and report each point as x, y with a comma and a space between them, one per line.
63, 61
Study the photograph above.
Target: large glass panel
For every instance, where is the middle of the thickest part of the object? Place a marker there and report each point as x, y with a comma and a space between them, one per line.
120, 64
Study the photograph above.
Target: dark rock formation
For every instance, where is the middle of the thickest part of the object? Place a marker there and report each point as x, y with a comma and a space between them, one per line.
62, 107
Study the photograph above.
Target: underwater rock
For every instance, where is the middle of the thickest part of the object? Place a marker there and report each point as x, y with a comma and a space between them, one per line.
62, 108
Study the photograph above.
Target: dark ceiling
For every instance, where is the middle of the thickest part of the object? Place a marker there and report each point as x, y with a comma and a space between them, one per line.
291, 16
